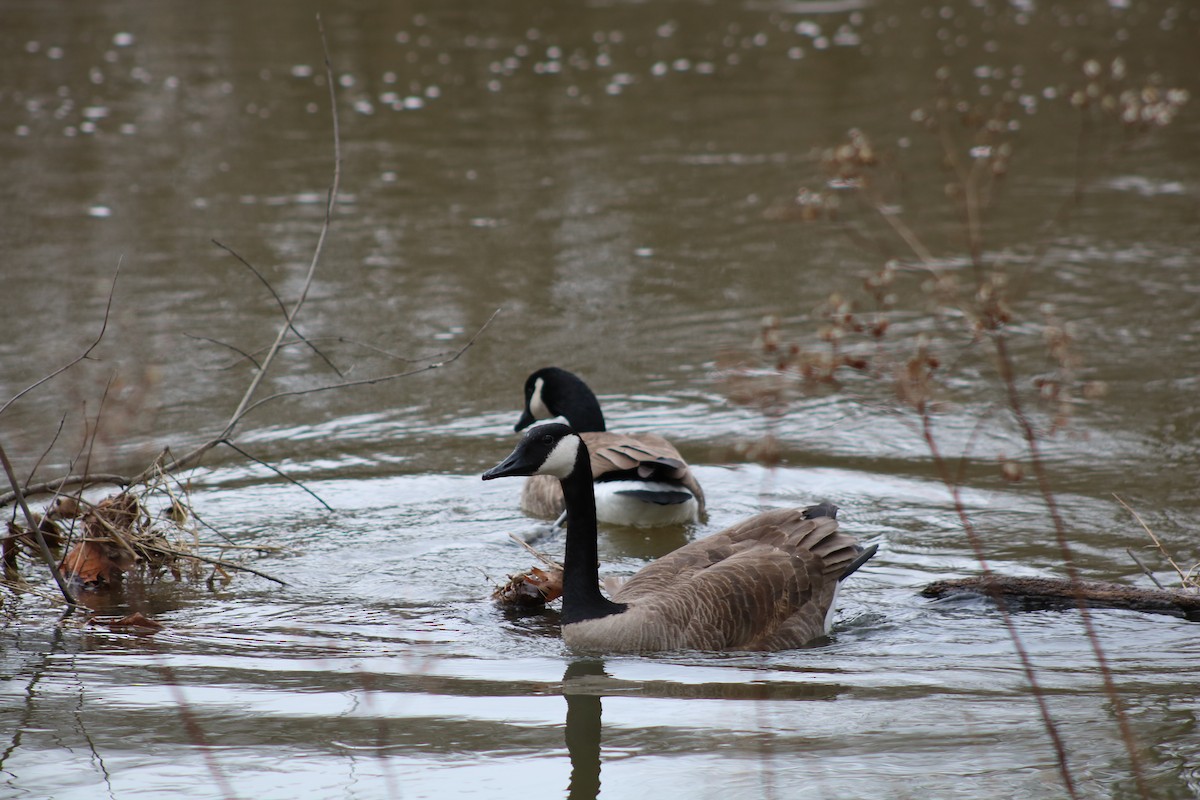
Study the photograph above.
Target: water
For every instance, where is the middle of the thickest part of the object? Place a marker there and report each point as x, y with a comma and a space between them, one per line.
611, 176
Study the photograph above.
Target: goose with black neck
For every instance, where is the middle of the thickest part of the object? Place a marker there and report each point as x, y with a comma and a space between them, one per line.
767, 583
640, 478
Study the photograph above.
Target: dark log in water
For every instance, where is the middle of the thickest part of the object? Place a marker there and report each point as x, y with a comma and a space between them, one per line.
1042, 593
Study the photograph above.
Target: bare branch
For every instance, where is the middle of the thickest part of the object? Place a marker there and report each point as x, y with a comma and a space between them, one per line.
330, 206
85, 354
277, 471
1144, 568
227, 346
194, 456
377, 379
1016, 407
1182, 577
61, 483
218, 562
391, 355
35, 529
976, 544
279, 302
46, 452
340, 340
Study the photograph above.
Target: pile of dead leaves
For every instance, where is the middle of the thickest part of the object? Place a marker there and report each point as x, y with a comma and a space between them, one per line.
106, 552
530, 589
533, 588
110, 537
118, 534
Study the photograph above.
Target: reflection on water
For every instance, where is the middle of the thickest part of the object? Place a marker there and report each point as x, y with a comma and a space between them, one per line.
611, 176
583, 732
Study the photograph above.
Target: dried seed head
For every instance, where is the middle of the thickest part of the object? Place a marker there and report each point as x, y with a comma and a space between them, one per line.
1011, 470
64, 508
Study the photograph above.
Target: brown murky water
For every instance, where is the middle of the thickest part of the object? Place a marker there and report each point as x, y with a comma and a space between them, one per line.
612, 177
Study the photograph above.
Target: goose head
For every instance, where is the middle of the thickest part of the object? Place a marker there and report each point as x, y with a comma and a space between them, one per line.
547, 449
554, 392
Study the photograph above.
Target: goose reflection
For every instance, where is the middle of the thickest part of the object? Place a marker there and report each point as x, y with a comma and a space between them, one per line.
582, 693
586, 682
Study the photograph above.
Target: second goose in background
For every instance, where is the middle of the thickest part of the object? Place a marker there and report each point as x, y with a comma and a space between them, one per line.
640, 478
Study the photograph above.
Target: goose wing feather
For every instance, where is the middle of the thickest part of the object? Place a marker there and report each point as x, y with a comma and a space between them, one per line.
766, 583
647, 455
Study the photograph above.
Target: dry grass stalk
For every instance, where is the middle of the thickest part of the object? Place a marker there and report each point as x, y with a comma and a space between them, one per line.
976, 139
1187, 579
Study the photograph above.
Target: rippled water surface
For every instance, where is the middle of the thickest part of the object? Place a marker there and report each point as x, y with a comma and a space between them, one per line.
620, 179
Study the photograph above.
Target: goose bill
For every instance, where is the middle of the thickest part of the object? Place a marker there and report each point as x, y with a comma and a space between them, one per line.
517, 463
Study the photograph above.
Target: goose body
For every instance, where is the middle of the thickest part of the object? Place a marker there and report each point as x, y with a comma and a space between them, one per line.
640, 478
767, 583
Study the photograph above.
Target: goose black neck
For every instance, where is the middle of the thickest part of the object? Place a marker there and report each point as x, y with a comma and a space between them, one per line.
576, 402
582, 598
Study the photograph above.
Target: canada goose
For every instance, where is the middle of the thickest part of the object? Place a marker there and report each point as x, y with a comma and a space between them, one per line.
640, 477
767, 583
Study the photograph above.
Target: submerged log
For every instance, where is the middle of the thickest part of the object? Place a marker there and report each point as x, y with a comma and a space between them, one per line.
1057, 593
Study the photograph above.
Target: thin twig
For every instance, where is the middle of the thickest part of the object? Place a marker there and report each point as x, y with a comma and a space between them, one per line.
906, 233
258, 548
36, 530
1016, 406
1153, 538
391, 355
330, 205
245, 356
1023, 656
86, 353
192, 511
21, 586
277, 471
91, 441
380, 378
279, 302
339, 339
55, 485
37, 464
218, 562
1144, 568
533, 551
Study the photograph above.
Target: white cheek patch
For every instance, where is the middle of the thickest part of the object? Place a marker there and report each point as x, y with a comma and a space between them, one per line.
537, 406
561, 461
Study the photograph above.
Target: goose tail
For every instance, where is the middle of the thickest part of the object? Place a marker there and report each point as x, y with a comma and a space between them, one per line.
820, 510
864, 555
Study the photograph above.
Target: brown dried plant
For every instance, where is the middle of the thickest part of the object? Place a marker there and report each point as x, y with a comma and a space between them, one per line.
115, 542
968, 303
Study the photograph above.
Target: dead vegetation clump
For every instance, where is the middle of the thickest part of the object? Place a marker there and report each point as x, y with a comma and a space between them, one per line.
533, 588
122, 534
148, 526
966, 314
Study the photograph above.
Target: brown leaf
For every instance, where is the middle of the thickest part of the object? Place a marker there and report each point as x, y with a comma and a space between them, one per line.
528, 589
94, 565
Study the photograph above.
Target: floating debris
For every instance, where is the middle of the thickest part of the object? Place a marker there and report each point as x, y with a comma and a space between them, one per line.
533, 588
